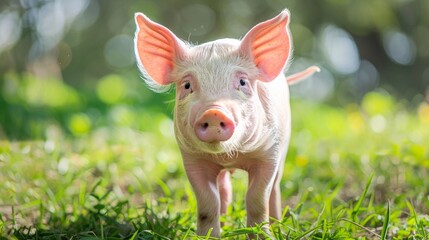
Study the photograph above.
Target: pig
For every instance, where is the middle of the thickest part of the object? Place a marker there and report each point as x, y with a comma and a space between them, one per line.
231, 111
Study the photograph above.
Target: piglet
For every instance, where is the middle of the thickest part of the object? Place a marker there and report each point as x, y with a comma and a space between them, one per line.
231, 111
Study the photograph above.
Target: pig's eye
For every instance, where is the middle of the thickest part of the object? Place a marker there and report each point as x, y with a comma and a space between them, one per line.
242, 84
185, 89
187, 85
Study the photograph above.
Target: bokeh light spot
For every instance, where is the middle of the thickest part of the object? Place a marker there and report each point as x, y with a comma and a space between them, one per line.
87, 17
301, 161
356, 121
340, 50
63, 165
51, 23
10, 25
378, 123
110, 89
119, 51
79, 124
367, 77
423, 112
399, 47
122, 115
375, 103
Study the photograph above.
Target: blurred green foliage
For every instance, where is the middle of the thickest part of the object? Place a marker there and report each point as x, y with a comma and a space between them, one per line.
360, 44
54, 54
30, 105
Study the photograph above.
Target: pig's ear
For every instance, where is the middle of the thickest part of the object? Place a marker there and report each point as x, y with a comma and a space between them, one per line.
156, 49
268, 44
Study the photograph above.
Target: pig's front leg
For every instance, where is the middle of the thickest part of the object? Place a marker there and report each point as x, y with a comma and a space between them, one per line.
225, 190
275, 197
261, 180
202, 176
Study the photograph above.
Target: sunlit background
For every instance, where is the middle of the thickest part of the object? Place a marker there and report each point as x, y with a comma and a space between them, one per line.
76, 119
74, 60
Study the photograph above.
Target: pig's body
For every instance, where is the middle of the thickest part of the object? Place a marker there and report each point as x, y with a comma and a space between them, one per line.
232, 111
258, 146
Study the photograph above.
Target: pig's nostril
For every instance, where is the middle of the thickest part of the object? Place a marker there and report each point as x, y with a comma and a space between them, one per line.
205, 125
222, 124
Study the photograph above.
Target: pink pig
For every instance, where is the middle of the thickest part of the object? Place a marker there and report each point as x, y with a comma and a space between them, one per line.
232, 111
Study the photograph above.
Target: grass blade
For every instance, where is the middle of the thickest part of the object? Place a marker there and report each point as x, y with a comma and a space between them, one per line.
186, 234
134, 235
356, 209
209, 232
239, 232
285, 213
307, 233
164, 188
101, 227
360, 226
386, 222
419, 227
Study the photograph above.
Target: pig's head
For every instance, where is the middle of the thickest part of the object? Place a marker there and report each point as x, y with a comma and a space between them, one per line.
218, 99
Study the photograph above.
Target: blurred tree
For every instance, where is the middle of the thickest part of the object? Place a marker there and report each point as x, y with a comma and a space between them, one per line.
361, 45
84, 40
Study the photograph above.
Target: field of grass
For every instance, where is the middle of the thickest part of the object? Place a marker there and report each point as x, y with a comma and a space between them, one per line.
106, 166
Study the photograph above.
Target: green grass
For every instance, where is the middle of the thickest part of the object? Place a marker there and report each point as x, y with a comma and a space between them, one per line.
113, 171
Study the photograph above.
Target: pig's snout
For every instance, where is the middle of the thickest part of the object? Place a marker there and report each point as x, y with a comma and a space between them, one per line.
214, 125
